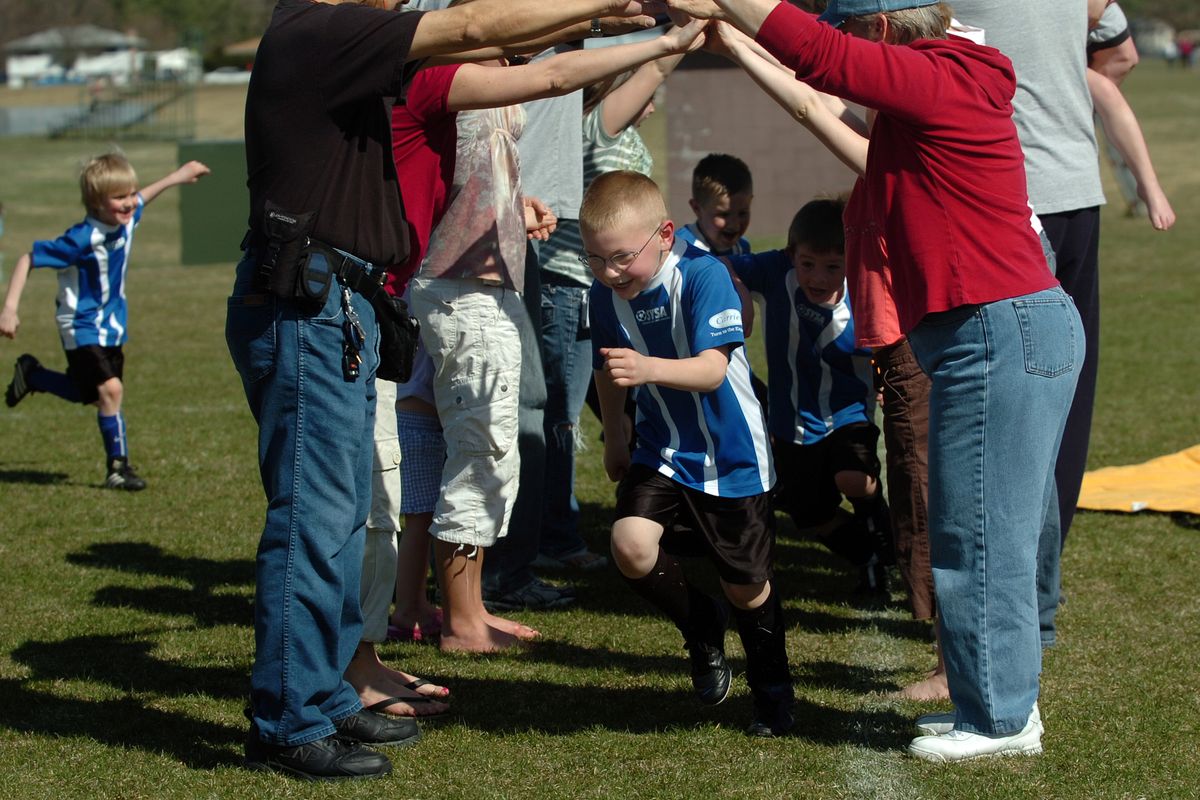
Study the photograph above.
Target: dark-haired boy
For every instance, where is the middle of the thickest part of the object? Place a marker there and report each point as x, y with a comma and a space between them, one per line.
722, 191
819, 387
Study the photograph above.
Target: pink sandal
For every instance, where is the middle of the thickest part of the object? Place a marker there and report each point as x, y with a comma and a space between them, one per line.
416, 632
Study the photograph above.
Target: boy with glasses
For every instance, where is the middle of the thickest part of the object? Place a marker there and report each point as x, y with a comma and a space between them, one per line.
666, 321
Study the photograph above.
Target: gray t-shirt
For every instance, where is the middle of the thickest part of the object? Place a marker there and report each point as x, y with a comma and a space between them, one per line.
552, 150
1052, 107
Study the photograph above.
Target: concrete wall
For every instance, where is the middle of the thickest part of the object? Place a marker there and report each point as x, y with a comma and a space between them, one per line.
713, 107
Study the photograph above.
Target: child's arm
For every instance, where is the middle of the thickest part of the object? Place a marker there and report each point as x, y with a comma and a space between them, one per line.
810, 108
9, 321
1122, 129
700, 373
623, 105
612, 414
476, 86
540, 221
188, 173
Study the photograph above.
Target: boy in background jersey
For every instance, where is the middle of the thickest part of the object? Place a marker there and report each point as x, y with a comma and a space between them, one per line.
722, 191
667, 322
823, 439
91, 258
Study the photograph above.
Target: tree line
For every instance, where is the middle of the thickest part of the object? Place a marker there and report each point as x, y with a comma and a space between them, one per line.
209, 25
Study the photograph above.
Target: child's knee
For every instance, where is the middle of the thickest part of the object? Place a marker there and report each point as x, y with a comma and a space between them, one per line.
853, 483
747, 595
111, 392
634, 550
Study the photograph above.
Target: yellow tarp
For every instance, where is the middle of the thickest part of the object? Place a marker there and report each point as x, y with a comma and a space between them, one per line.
1167, 483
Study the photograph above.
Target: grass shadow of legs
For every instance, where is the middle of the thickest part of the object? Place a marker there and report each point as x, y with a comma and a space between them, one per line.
33, 477
125, 722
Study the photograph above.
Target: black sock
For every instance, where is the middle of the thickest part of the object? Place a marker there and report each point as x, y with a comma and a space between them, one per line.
763, 635
667, 589
872, 513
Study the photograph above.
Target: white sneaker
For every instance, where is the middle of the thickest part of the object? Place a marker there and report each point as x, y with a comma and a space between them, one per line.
938, 724
935, 724
963, 746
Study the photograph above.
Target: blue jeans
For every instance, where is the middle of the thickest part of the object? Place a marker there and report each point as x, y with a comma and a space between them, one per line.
1002, 378
568, 368
315, 453
509, 563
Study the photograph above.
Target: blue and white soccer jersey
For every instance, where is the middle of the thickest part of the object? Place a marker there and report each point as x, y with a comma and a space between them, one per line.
91, 258
715, 442
819, 381
692, 235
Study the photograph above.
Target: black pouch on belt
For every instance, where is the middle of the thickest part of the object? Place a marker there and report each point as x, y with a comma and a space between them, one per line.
289, 267
398, 335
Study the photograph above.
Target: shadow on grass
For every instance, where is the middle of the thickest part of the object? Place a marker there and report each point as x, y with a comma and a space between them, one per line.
127, 662
122, 723
823, 674
206, 607
34, 477
515, 706
1182, 519
149, 559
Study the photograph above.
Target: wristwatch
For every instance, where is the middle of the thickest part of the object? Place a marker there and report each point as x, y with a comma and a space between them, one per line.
596, 31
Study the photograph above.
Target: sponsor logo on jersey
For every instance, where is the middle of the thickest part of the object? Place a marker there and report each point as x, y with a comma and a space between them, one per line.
728, 318
647, 316
810, 314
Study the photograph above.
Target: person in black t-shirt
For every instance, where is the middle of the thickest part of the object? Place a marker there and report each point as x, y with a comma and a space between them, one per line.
317, 142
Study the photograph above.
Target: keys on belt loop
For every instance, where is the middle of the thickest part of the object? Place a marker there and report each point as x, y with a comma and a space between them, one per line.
354, 338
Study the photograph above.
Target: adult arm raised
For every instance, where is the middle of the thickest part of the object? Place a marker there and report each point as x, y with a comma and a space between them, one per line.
826, 117
747, 15
478, 86
486, 23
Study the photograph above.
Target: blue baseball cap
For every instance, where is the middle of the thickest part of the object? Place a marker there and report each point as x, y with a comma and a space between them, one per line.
838, 11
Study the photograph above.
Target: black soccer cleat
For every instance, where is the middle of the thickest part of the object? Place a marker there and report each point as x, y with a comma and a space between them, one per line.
122, 476
19, 386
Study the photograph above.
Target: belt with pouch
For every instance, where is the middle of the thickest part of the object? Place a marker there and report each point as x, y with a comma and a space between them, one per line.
315, 264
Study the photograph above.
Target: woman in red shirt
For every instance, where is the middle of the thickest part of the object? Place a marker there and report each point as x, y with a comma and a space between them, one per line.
938, 234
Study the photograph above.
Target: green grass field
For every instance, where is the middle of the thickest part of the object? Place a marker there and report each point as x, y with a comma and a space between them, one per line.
125, 638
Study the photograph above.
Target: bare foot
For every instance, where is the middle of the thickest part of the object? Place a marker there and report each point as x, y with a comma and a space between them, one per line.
490, 640
932, 688
366, 672
511, 626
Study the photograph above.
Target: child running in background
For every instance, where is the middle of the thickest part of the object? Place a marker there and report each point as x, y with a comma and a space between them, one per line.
91, 258
722, 191
820, 383
666, 322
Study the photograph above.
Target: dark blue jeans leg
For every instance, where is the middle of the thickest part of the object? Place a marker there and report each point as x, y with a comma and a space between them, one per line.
568, 368
314, 450
508, 563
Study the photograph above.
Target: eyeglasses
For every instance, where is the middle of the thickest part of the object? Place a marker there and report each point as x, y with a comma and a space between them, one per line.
621, 261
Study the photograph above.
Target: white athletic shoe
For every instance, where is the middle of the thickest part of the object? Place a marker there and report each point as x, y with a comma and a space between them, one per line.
938, 724
963, 746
